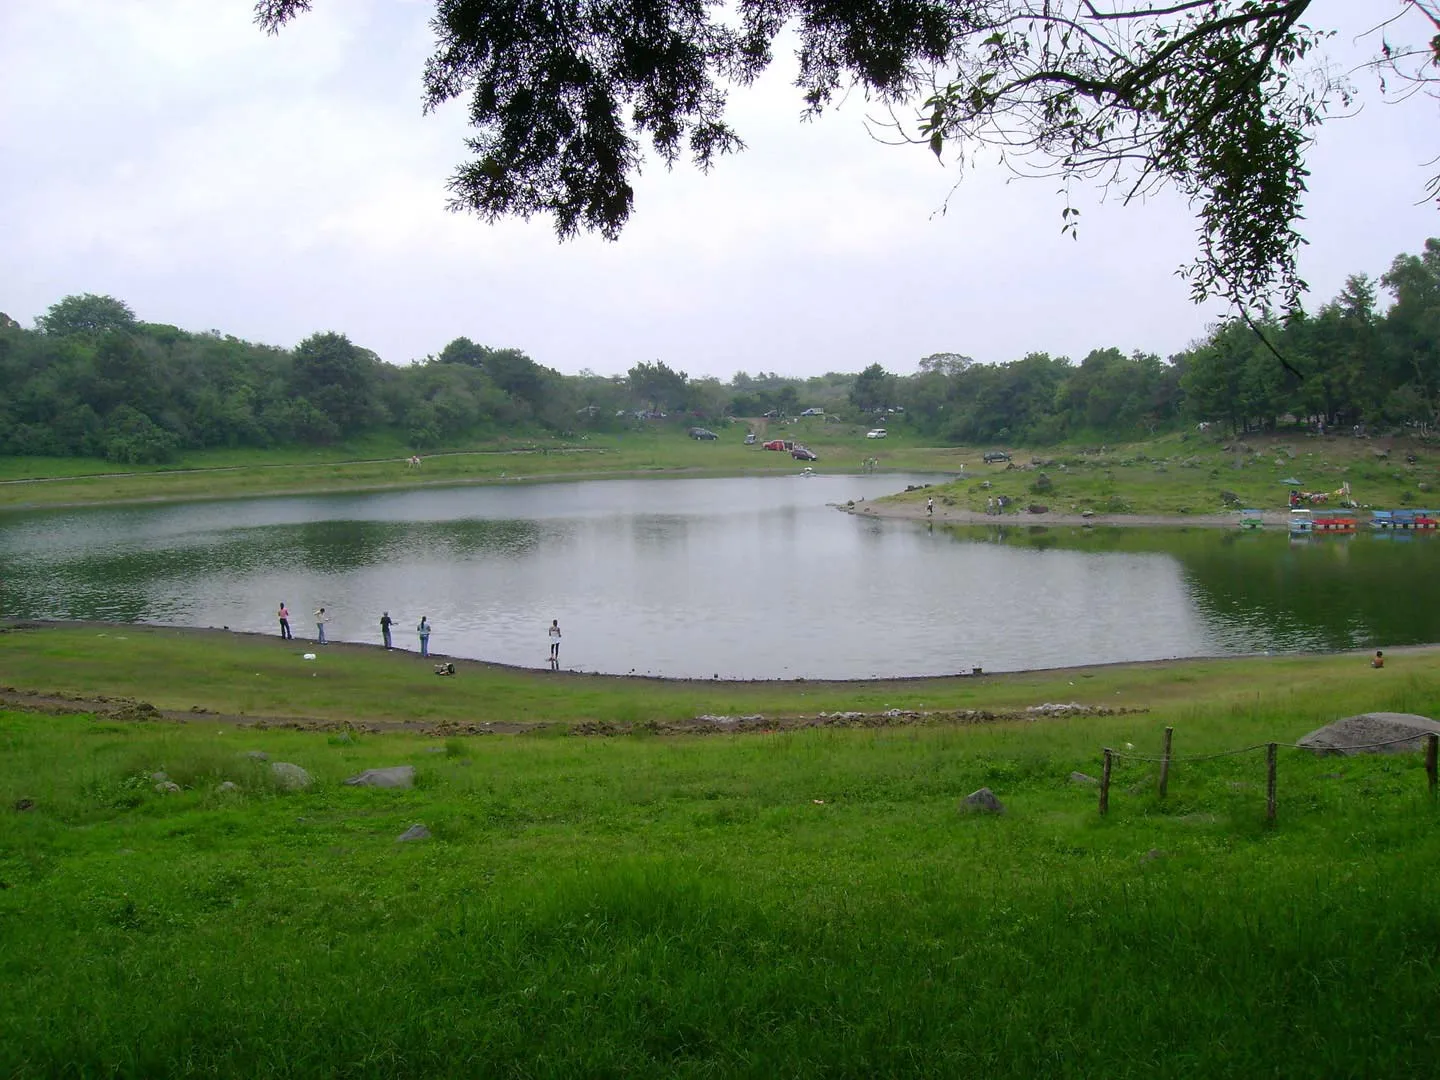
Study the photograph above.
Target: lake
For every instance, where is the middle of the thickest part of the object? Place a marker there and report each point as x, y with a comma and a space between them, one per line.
752, 577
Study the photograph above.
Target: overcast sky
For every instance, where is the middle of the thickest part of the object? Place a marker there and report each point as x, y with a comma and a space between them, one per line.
168, 153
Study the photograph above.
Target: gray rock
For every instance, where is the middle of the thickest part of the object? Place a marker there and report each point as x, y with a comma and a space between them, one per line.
290, 777
1082, 778
1400, 732
256, 755
167, 787
160, 777
415, 832
228, 786
394, 776
983, 800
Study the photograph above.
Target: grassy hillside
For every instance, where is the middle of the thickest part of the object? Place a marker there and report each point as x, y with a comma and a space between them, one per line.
802, 902
1174, 474
1192, 473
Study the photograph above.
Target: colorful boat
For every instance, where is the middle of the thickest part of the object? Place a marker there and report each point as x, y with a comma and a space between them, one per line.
1306, 523
1251, 519
1405, 520
1335, 523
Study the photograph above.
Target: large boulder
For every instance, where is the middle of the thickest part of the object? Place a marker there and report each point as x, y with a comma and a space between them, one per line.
395, 776
1372, 733
289, 777
982, 801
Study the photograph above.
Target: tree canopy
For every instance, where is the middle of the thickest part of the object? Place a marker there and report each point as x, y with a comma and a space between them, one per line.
1216, 97
142, 392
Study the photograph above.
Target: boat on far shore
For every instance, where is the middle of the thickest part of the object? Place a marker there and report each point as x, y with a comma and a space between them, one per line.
1308, 523
1405, 520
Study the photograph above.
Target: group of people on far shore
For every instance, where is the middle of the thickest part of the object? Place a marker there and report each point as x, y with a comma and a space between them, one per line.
422, 630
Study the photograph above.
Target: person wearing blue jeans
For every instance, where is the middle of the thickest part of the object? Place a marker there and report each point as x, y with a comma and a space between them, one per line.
320, 627
385, 623
424, 631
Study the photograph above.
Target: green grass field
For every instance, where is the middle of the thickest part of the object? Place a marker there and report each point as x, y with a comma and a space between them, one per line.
798, 903
378, 464
1176, 474
1192, 474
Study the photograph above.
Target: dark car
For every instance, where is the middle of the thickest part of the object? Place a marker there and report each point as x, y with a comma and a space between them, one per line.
702, 433
802, 454
995, 456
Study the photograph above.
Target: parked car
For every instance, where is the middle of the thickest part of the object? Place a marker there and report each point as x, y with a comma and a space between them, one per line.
995, 456
702, 433
813, 412
876, 433
802, 454
778, 444
750, 439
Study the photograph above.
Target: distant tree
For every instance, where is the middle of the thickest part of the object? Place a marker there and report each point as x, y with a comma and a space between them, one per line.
464, 351
945, 363
334, 377
658, 385
86, 314
1413, 326
518, 375
873, 390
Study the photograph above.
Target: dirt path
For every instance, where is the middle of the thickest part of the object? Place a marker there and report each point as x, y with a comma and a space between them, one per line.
131, 710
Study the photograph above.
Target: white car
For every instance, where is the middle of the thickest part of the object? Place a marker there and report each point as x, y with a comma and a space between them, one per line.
877, 433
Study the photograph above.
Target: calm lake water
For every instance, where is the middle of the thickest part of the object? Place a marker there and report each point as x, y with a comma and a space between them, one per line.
740, 578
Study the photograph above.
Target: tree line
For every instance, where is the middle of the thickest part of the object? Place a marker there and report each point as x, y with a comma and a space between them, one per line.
91, 379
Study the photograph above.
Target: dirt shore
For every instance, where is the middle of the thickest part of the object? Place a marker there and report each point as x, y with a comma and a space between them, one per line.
952, 515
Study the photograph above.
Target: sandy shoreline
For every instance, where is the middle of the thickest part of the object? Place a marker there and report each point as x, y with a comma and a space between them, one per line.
953, 515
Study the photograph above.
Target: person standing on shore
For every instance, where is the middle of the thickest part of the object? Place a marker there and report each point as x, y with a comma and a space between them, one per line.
385, 623
930, 507
424, 631
554, 633
284, 614
320, 627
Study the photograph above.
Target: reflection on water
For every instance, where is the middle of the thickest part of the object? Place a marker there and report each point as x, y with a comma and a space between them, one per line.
750, 577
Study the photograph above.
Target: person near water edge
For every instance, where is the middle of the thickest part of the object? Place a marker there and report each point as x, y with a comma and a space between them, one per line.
424, 631
320, 627
385, 624
554, 633
284, 614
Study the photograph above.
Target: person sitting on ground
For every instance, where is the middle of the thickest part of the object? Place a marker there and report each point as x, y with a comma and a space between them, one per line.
1378, 660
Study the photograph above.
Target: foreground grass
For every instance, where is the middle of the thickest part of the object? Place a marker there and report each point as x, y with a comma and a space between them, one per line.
799, 904
252, 676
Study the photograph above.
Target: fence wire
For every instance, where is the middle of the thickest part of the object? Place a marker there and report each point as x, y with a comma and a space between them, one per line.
1125, 755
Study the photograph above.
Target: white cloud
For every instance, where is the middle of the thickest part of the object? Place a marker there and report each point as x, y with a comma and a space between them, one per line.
169, 153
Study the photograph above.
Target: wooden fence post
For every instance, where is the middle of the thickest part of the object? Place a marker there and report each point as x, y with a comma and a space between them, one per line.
1270, 783
1165, 762
1105, 785
1430, 754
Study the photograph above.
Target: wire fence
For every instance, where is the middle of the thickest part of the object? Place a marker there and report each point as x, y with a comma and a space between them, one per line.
1431, 743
